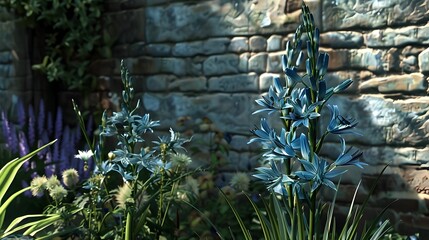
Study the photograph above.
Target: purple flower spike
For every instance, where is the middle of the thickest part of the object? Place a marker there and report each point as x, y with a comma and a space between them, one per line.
23, 145
31, 126
50, 124
13, 140
41, 118
59, 123
21, 115
5, 126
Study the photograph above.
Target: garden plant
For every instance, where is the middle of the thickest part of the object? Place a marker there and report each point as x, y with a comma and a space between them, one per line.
295, 172
129, 192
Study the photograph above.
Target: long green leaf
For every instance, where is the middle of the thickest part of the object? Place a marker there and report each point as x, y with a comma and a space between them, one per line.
245, 231
9, 171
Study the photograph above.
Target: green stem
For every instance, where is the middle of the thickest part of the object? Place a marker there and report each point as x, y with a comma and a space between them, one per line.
312, 225
128, 226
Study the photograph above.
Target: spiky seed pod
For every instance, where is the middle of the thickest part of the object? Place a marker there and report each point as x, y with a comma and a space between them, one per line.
58, 193
70, 177
52, 182
38, 186
240, 181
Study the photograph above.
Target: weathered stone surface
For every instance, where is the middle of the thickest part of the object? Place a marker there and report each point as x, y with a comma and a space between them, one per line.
132, 31
424, 61
14, 38
156, 83
335, 78
341, 39
383, 155
398, 37
274, 43
234, 83
6, 57
243, 65
409, 83
229, 111
409, 64
368, 59
274, 62
155, 49
338, 59
385, 121
239, 45
266, 80
208, 47
195, 84
257, 44
221, 64
258, 63
372, 14
168, 65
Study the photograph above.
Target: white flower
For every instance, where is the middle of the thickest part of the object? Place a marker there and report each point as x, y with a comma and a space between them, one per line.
84, 155
38, 186
58, 193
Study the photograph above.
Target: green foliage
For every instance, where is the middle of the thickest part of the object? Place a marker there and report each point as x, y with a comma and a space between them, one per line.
295, 172
72, 34
131, 189
7, 175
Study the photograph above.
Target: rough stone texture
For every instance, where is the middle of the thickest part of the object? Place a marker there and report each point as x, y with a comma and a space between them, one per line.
398, 37
341, 39
415, 82
239, 44
234, 83
258, 63
367, 14
257, 44
221, 64
214, 58
274, 43
424, 61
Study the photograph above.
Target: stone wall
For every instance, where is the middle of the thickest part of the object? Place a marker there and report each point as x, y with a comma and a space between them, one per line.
213, 58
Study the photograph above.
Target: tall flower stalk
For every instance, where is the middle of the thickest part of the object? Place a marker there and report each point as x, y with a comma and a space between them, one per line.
295, 171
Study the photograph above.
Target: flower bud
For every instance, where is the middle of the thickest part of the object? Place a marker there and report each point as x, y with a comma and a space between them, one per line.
70, 177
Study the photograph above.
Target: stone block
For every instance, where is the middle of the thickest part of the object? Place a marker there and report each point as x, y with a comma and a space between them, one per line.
258, 63
239, 45
167, 65
341, 39
408, 83
257, 44
153, 49
156, 83
6, 57
368, 59
397, 37
230, 112
132, 31
274, 43
409, 64
194, 84
234, 83
266, 80
221, 64
372, 14
338, 58
243, 65
385, 121
187, 49
179, 21
208, 47
424, 61
274, 62
333, 79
